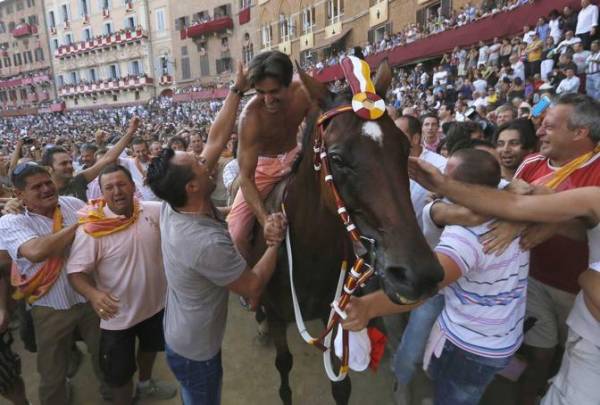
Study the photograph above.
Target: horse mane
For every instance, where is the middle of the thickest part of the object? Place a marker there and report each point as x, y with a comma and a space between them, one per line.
311, 126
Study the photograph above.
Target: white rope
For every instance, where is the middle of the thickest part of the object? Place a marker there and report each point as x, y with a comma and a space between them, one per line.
300, 320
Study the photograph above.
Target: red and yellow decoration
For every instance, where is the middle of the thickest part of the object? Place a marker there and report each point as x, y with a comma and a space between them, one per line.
366, 103
96, 224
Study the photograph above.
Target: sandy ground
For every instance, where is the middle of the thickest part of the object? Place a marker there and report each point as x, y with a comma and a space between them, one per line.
250, 377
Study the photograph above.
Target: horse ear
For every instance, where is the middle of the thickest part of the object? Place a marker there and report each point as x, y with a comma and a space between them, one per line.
383, 78
316, 90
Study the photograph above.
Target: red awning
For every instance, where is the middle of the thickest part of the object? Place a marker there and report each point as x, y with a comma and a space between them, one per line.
498, 25
22, 30
217, 25
244, 15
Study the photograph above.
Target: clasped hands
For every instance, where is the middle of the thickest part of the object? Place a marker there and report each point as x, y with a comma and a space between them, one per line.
274, 229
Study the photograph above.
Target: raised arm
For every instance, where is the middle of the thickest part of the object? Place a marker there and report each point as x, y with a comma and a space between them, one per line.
222, 127
113, 153
557, 207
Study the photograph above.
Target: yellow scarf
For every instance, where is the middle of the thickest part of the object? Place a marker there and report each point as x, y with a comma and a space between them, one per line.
37, 286
565, 171
96, 224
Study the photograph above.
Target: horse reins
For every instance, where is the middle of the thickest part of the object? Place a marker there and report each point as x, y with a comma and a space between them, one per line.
349, 281
369, 106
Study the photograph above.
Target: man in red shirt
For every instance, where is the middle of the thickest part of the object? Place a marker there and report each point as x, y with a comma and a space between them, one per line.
568, 158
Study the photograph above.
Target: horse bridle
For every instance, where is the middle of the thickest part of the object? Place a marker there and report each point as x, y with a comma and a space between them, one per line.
360, 272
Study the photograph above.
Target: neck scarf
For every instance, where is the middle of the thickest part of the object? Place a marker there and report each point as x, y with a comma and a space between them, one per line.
96, 224
35, 287
565, 171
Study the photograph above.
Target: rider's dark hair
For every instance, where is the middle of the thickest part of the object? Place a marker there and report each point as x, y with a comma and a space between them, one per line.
476, 167
273, 64
168, 180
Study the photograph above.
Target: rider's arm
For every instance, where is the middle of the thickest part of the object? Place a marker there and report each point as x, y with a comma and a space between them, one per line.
222, 127
248, 159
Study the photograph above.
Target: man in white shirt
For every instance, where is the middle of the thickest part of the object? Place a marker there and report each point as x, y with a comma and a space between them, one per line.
411, 127
528, 34
137, 166
569, 84
587, 22
480, 84
569, 41
580, 57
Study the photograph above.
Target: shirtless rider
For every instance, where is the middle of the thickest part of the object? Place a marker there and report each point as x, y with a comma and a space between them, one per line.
267, 140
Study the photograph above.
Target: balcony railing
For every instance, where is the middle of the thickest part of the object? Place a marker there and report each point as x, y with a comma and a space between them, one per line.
25, 81
107, 41
106, 86
217, 25
23, 30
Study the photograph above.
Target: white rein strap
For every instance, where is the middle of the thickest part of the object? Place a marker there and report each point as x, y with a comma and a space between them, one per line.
300, 320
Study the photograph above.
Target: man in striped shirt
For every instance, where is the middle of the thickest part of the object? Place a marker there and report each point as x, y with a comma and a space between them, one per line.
592, 82
481, 325
35, 239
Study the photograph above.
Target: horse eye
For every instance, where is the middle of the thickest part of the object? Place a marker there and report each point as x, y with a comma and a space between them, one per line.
336, 159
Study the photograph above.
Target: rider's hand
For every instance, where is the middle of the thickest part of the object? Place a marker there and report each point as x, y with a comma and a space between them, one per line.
274, 229
241, 80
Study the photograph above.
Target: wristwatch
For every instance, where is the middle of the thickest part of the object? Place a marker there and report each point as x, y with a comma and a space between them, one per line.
236, 91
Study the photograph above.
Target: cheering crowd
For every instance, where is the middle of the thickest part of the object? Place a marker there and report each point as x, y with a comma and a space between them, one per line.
114, 228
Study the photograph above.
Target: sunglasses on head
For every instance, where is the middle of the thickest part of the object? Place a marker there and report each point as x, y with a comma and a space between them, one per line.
21, 167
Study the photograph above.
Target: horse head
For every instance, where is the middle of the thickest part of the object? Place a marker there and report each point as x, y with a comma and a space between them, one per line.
368, 161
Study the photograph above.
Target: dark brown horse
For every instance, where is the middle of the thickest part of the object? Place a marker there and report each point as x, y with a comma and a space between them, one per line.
368, 160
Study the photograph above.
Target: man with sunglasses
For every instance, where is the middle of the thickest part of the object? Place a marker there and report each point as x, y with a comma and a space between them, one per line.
38, 242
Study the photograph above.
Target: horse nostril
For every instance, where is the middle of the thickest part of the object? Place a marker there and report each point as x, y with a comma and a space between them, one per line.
399, 275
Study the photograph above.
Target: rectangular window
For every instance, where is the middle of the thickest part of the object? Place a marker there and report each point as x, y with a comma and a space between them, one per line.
87, 34
135, 68
32, 20
73, 77
308, 19
204, 66
65, 13
28, 55
20, 5
69, 39
92, 75
285, 28
51, 19
245, 4
130, 23
266, 34
160, 19
30, 3
39, 54
335, 10
185, 68
7, 62
60, 81
105, 4
55, 44
23, 94
108, 28
84, 8
2, 27
113, 72
184, 51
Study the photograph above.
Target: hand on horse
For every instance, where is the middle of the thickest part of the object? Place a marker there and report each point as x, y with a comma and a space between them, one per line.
425, 174
357, 312
274, 230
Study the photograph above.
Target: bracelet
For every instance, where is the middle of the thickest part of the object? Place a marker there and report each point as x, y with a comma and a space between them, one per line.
237, 91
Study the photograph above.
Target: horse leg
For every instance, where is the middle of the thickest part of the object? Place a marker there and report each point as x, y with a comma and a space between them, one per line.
283, 359
340, 390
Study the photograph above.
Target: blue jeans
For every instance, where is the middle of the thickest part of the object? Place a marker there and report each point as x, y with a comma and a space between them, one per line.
201, 381
412, 346
461, 377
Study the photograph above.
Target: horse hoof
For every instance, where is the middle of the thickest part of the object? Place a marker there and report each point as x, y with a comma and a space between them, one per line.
286, 396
